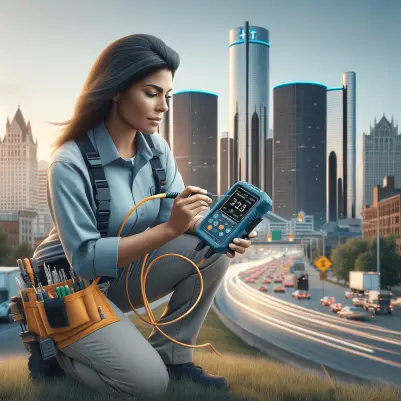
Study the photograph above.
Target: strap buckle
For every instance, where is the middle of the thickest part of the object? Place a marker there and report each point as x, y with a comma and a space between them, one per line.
102, 190
93, 159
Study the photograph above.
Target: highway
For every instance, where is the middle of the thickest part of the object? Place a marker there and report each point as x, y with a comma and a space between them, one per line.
370, 350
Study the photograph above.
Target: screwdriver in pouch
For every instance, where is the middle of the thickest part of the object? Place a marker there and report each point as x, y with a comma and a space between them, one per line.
29, 271
36, 271
76, 285
21, 267
23, 291
43, 292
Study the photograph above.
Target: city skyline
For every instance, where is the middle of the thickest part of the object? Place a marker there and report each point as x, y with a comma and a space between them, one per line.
60, 66
316, 42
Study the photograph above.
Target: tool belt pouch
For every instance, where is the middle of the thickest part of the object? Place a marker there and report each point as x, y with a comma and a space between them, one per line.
70, 318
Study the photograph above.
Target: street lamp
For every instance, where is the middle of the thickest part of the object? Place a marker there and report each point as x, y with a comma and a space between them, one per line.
300, 216
323, 240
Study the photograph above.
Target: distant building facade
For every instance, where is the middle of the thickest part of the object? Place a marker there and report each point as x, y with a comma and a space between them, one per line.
18, 167
381, 155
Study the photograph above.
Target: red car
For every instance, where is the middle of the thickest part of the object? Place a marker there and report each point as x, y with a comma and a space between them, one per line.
336, 307
299, 294
266, 281
279, 288
278, 280
263, 288
327, 301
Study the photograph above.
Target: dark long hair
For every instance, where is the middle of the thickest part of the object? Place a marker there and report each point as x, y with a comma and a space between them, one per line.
120, 64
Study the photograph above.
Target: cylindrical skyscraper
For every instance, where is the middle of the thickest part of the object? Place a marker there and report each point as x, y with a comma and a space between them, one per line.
349, 151
249, 101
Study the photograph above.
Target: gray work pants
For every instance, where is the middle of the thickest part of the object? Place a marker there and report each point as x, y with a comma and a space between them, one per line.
118, 357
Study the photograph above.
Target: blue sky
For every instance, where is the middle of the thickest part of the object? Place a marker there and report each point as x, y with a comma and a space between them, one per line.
48, 46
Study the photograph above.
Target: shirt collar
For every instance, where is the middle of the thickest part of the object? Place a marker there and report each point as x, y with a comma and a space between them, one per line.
108, 151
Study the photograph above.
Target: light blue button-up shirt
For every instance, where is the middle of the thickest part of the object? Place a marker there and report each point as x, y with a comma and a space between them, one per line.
73, 209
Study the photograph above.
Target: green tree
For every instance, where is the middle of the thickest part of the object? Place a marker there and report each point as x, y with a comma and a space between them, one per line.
21, 251
338, 257
364, 262
360, 255
316, 254
4, 247
345, 255
390, 261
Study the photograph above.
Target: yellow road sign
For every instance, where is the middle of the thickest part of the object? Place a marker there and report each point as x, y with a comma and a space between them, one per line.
323, 263
286, 268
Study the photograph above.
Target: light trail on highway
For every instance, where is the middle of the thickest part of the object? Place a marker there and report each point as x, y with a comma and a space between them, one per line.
294, 329
362, 349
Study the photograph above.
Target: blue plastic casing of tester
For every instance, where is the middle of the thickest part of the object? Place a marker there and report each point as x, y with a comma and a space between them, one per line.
234, 216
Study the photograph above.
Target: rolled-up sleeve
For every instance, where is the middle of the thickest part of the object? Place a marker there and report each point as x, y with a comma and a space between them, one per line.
174, 183
68, 197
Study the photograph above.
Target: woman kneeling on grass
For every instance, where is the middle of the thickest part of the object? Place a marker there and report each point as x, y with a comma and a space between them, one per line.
123, 100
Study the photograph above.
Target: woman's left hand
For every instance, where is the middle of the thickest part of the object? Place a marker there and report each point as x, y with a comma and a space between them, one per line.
240, 245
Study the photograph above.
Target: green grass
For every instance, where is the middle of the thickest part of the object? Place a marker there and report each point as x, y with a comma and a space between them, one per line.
251, 375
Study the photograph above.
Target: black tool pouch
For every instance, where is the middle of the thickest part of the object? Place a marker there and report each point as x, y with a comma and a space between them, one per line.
56, 312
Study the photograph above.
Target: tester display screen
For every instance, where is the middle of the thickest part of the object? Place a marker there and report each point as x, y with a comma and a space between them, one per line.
238, 204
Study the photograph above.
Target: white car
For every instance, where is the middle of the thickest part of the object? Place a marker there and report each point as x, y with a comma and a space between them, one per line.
396, 302
359, 301
352, 312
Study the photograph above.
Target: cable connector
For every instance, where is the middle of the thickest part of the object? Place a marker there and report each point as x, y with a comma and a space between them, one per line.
209, 253
200, 246
171, 195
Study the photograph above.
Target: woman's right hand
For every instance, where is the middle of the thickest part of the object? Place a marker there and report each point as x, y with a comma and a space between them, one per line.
186, 207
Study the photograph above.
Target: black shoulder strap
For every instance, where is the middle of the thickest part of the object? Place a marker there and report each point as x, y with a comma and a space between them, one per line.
100, 187
159, 173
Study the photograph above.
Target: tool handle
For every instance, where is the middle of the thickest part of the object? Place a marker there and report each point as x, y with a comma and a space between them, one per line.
36, 271
29, 271
21, 267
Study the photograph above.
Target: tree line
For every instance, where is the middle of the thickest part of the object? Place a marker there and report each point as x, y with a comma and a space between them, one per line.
9, 254
361, 255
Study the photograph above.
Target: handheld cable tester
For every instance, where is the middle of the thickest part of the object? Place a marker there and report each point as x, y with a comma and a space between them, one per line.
235, 215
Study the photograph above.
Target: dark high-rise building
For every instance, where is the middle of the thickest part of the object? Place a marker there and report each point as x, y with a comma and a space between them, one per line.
249, 101
225, 161
341, 149
335, 165
299, 150
195, 139
269, 168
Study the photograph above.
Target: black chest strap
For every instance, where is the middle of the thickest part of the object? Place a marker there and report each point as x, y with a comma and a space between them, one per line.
100, 187
159, 173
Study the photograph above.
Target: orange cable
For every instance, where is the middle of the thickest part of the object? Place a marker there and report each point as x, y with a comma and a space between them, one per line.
144, 274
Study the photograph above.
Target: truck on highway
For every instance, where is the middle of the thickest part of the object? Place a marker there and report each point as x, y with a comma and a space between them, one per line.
303, 282
379, 301
8, 289
362, 283
297, 267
